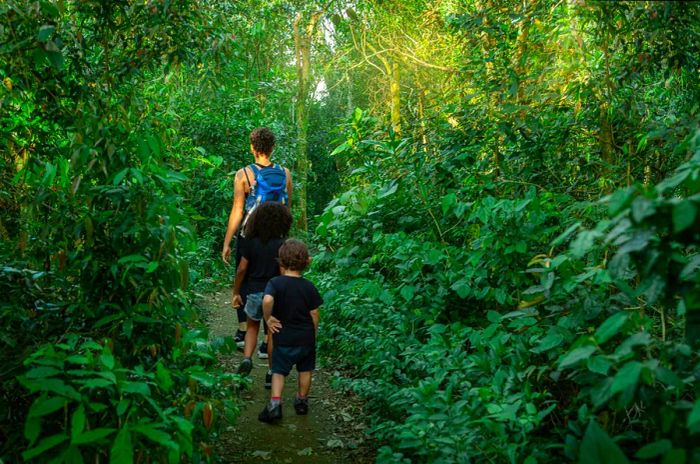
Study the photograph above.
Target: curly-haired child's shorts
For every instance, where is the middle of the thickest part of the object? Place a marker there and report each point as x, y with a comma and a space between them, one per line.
285, 357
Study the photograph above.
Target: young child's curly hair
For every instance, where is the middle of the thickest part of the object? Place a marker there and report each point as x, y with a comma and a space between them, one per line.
294, 255
263, 140
270, 220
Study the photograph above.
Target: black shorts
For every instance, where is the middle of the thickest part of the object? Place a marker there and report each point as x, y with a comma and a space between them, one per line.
285, 357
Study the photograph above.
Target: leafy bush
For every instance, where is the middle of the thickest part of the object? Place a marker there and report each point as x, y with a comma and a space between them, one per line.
102, 354
88, 404
498, 342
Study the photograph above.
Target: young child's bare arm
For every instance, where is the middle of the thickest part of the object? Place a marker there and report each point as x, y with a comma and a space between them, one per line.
273, 323
314, 317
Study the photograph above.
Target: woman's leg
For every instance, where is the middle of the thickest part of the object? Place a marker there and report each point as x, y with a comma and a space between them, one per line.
251, 337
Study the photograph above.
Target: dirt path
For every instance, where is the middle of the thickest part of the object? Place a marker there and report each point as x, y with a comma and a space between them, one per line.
332, 432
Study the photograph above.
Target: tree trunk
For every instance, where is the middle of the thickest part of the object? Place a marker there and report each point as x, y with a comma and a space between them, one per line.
395, 96
493, 96
350, 103
606, 134
302, 46
421, 118
518, 63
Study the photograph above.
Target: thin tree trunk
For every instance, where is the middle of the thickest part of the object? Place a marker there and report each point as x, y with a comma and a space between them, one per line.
521, 46
421, 118
395, 95
302, 45
350, 103
487, 44
606, 134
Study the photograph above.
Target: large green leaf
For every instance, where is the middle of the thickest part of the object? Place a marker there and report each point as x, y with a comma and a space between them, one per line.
694, 416
42, 371
598, 448
683, 215
610, 327
122, 451
551, 340
627, 376
44, 405
573, 357
45, 445
163, 377
78, 422
92, 436
653, 450
155, 435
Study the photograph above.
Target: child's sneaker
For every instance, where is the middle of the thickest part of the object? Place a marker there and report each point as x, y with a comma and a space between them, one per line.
301, 406
245, 367
270, 415
268, 379
262, 352
239, 338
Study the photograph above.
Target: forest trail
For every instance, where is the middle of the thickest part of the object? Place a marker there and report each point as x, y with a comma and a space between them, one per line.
332, 432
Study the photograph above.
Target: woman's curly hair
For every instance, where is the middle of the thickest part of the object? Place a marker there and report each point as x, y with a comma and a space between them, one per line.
263, 140
270, 220
294, 255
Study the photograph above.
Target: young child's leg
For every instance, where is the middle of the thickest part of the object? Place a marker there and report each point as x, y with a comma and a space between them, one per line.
305, 365
269, 352
277, 386
304, 384
268, 376
282, 364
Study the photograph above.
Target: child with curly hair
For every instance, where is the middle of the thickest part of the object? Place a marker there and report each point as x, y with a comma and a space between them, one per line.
290, 308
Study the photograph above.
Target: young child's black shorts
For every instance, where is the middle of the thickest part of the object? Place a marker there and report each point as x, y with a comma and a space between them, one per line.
284, 357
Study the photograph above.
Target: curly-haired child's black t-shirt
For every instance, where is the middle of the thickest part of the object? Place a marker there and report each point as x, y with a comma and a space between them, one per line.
294, 298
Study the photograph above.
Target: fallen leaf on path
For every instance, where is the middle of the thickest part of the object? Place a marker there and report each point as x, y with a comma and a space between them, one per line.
305, 452
265, 455
334, 443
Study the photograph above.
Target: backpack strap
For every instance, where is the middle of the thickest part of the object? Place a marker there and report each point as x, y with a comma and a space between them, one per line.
245, 172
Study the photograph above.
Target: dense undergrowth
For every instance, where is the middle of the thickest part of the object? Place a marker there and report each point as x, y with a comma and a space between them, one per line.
535, 324
104, 357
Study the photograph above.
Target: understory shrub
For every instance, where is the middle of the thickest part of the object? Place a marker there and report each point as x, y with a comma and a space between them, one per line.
538, 328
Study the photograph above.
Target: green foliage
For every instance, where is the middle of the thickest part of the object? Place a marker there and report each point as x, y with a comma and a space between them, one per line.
101, 354
142, 411
469, 316
490, 305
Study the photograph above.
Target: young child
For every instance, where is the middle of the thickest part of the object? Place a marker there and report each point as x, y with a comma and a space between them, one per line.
265, 233
290, 308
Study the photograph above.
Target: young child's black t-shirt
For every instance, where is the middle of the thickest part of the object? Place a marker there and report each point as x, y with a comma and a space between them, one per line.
294, 298
262, 263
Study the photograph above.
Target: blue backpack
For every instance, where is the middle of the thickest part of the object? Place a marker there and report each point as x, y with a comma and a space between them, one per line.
270, 185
